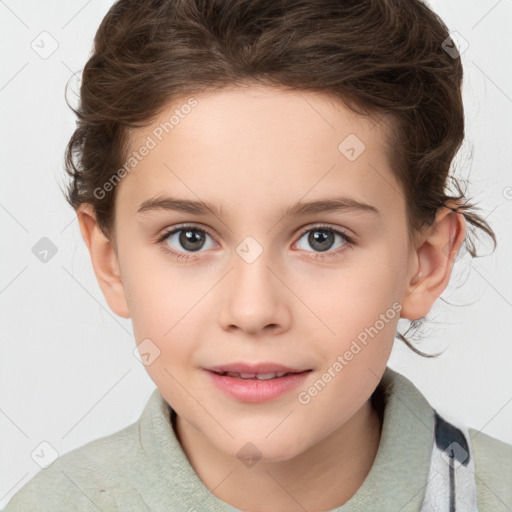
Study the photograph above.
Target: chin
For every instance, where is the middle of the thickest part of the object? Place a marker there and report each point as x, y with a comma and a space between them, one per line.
258, 448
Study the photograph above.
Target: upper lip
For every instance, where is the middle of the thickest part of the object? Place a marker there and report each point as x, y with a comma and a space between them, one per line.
254, 368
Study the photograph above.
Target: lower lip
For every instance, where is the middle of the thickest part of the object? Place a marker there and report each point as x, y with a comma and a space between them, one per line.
254, 390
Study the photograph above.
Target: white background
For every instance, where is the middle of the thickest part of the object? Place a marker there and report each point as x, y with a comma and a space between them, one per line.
67, 371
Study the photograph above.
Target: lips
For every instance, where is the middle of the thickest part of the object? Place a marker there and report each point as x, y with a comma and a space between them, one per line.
254, 383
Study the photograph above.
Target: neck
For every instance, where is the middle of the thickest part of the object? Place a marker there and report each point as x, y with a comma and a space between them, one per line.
324, 476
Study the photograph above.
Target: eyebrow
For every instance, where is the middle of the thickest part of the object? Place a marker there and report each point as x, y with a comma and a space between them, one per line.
296, 209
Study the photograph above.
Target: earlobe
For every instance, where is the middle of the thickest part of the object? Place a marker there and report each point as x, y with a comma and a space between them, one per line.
433, 262
104, 261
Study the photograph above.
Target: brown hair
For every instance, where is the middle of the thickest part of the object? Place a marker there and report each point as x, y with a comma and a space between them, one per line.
384, 58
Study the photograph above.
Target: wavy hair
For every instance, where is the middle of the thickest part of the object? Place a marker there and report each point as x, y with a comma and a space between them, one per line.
381, 58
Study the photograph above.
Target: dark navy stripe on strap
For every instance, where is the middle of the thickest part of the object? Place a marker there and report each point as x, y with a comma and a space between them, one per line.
446, 434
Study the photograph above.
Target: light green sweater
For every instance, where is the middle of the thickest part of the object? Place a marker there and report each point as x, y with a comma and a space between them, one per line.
143, 467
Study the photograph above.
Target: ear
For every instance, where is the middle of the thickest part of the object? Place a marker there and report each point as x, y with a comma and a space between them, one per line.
433, 260
104, 260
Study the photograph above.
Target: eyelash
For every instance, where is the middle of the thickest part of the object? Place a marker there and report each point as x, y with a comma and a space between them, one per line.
319, 255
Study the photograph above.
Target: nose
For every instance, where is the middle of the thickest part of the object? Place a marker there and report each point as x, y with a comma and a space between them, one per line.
255, 300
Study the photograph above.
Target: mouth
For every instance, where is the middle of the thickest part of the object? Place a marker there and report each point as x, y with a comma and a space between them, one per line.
258, 376
260, 371
256, 383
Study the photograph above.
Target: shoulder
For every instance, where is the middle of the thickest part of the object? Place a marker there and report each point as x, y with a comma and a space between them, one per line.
87, 478
493, 464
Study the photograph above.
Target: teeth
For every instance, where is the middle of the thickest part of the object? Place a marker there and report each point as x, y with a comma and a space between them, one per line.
266, 376
259, 376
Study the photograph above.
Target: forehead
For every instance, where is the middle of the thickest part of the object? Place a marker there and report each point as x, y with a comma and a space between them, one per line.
238, 147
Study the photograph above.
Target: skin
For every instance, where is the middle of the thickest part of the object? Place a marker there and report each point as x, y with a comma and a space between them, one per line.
254, 151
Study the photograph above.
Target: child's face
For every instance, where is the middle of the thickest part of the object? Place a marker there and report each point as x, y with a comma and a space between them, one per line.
254, 153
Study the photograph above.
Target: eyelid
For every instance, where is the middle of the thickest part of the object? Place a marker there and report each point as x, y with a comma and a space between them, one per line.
181, 227
343, 231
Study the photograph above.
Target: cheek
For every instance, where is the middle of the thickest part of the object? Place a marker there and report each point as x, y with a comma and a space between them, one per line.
163, 309
158, 294
361, 309
364, 317
350, 299
168, 306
